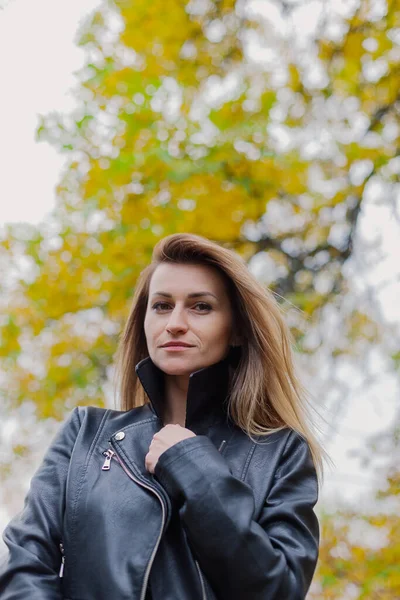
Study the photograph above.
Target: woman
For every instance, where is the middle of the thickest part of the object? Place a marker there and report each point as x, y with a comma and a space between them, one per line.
203, 486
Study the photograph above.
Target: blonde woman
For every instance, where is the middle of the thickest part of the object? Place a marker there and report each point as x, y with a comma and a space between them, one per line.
203, 485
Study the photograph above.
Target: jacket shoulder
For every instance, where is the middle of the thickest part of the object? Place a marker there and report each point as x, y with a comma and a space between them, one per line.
97, 424
97, 414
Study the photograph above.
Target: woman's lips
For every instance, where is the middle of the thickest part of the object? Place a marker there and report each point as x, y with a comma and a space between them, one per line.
176, 348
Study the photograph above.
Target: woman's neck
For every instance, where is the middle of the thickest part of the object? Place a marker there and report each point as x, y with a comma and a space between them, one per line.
176, 389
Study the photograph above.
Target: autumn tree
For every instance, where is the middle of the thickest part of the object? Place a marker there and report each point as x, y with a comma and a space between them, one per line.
199, 117
260, 125
360, 550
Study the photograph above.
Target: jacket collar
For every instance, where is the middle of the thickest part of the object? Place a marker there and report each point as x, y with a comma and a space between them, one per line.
207, 398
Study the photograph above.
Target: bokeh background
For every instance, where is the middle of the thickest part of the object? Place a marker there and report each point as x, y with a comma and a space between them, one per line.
270, 126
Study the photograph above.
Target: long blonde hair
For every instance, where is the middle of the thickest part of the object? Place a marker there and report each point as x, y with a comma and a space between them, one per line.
265, 393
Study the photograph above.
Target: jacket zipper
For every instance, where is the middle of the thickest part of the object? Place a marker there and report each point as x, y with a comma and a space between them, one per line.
203, 585
108, 454
222, 446
61, 573
111, 454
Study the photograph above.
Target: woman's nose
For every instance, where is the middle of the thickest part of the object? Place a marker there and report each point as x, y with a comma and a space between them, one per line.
177, 321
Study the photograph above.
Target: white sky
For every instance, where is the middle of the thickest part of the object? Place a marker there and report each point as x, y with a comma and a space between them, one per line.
38, 58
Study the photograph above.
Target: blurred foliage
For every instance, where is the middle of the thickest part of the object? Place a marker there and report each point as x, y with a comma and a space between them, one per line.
210, 117
360, 552
204, 117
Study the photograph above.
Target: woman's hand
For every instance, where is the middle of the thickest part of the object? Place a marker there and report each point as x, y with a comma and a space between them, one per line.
165, 438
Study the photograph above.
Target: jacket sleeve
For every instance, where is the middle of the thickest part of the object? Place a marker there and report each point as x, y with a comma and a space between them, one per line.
31, 567
272, 557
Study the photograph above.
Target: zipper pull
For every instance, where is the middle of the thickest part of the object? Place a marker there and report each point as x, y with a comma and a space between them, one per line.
107, 462
222, 446
61, 573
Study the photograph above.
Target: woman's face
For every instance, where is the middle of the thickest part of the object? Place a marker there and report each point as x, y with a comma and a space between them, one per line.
189, 307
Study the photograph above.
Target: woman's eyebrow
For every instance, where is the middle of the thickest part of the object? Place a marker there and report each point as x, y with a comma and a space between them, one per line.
192, 295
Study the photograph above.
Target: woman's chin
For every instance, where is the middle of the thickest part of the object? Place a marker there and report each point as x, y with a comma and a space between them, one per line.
178, 367
175, 370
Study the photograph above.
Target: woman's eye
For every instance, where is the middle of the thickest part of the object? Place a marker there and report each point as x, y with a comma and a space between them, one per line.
161, 306
203, 306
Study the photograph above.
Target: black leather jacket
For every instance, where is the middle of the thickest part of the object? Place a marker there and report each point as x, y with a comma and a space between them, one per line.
222, 518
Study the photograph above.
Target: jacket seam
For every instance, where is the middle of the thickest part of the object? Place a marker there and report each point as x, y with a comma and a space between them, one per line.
84, 471
79, 417
248, 460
